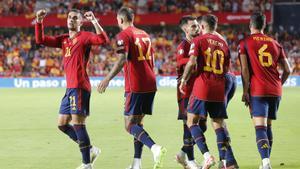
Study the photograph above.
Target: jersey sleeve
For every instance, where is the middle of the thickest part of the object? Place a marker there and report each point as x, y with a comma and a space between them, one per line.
241, 48
122, 43
181, 60
227, 61
96, 39
194, 49
41, 38
282, 53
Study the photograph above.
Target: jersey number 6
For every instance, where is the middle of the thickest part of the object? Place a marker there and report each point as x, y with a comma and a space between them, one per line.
262, 54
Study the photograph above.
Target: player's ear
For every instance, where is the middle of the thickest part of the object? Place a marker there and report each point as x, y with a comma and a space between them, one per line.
183, 28
202, 27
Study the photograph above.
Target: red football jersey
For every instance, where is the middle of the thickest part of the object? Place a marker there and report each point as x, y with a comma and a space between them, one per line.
139, 67
213, 59
76, 53
263, 54
182, 57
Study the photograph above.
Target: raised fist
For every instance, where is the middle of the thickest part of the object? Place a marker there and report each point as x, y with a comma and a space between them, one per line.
40, 15
90, 16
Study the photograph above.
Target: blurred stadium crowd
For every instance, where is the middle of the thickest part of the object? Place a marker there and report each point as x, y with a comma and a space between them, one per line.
18, 7
20, 56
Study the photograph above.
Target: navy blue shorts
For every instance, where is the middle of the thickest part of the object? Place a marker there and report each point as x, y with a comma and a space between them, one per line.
230, 87
182, 106
202, 108
75, 101
266, 107
138, 103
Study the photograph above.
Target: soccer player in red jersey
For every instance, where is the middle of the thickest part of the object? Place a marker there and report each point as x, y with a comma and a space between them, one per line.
230, 87
211, 54
190, 27
137, 58
76, 47
262, 84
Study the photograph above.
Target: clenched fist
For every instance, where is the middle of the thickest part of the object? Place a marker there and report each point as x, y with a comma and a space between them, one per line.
90, 16
40, 15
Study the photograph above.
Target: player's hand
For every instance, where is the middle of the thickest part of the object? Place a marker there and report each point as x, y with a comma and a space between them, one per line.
40, 15
246, 99
103, 85
181, 87
90, 16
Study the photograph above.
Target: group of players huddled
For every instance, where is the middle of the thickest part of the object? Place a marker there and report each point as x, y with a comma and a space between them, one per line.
205, 84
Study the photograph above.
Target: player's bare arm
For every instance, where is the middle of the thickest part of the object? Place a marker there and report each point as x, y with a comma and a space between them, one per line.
187, 72
114, 71
286, 69
245, 79
91, 17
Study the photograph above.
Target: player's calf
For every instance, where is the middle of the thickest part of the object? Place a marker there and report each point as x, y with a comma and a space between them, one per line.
69, 131
221, 142
84, 142
263, 144
188, 143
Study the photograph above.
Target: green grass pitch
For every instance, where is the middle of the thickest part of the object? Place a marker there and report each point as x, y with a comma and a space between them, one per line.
29, 138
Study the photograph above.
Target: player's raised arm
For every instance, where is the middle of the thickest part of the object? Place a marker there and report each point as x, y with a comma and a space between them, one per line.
40, 38
245, 75
101, 37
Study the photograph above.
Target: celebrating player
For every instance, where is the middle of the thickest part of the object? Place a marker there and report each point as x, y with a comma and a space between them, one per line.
76, 47
262, 85
211, 54
190, 27
136, 56
230, 87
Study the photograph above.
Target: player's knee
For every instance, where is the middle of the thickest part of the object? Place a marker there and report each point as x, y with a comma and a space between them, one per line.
128, 126
62, 128
191, 123
203, 127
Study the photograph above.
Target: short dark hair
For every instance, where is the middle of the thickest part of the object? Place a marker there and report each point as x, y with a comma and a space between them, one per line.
127, 13
258, 20
185, 19
76, 11
211, 20
199, 18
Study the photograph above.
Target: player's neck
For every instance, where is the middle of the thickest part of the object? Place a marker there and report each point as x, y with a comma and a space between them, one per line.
72, 33
189, 38
256, 31
207, 31
125, 26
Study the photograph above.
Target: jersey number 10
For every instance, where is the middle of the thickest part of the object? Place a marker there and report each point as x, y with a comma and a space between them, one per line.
211, 61
147, 43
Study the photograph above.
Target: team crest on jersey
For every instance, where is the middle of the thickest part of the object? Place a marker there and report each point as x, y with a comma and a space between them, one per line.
120, 42
192, 46
180, 52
